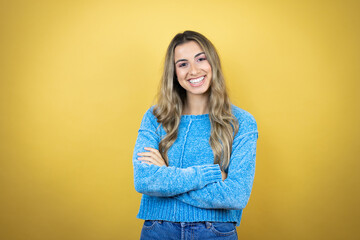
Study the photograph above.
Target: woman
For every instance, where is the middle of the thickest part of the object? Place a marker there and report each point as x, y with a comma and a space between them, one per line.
194, 158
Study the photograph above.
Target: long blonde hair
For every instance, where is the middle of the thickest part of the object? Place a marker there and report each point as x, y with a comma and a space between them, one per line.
171, 100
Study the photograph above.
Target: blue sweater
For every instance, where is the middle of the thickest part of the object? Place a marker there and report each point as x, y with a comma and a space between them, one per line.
190, 189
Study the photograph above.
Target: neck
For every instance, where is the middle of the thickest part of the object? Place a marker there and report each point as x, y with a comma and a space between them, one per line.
196, 105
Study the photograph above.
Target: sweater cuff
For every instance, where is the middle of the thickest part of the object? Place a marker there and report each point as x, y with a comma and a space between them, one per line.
209, 173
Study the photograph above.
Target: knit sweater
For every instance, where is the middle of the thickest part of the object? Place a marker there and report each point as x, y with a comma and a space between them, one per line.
191, 188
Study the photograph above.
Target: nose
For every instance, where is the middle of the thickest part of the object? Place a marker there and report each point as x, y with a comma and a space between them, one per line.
194, 70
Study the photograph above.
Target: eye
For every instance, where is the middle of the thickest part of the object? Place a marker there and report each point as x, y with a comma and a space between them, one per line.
202, 59
182, 64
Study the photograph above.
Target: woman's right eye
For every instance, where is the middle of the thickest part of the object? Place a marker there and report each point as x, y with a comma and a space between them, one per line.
182, 64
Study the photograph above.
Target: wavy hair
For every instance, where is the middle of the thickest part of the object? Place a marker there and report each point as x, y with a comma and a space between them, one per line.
171, 100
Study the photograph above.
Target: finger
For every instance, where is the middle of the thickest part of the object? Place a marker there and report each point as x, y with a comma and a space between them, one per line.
153, 155
149, 161
148, 154
154, 151
160, 158
146, 159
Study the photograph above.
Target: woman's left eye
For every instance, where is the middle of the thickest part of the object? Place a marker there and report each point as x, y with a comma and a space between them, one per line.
201, 59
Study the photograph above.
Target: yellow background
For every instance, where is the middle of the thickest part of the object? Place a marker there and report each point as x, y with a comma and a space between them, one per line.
77, 76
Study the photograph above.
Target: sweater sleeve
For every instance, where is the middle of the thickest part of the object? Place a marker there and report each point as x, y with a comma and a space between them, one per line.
165, 181
234, 191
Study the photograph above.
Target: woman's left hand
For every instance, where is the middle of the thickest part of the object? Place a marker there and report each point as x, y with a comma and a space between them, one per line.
152, 157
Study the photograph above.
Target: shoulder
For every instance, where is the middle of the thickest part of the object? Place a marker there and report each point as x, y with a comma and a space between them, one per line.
242, 115
247, 122
150, 111
149, 117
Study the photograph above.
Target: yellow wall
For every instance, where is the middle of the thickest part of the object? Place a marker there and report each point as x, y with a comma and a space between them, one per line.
77, 76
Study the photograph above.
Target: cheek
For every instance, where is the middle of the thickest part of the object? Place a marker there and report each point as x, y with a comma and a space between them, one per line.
209, 68
179, 74
210, 73
205, 66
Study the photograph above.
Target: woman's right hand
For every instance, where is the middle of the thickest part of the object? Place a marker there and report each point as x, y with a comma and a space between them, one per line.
223, 175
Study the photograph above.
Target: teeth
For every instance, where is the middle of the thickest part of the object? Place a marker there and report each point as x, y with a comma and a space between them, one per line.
196, 80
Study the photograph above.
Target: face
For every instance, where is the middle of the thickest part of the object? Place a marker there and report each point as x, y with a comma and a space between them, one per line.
193, 70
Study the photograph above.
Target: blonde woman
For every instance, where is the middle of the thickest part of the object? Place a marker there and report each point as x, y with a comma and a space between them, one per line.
194, 157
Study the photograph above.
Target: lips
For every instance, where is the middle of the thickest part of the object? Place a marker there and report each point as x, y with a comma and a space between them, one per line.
195, 82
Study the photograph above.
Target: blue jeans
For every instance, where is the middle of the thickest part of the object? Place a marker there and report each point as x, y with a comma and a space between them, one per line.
164, 230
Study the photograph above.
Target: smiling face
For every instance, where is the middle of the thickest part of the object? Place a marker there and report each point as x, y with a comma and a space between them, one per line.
192, 68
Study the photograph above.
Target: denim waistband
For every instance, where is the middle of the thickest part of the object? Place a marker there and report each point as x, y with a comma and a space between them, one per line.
183, 224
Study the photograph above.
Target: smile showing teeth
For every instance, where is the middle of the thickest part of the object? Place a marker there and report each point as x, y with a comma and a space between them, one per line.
197, 80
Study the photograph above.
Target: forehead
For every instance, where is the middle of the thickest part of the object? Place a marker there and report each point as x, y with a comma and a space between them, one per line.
187, 50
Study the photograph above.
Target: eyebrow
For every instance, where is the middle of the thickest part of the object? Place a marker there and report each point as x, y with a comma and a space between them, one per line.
180, 60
